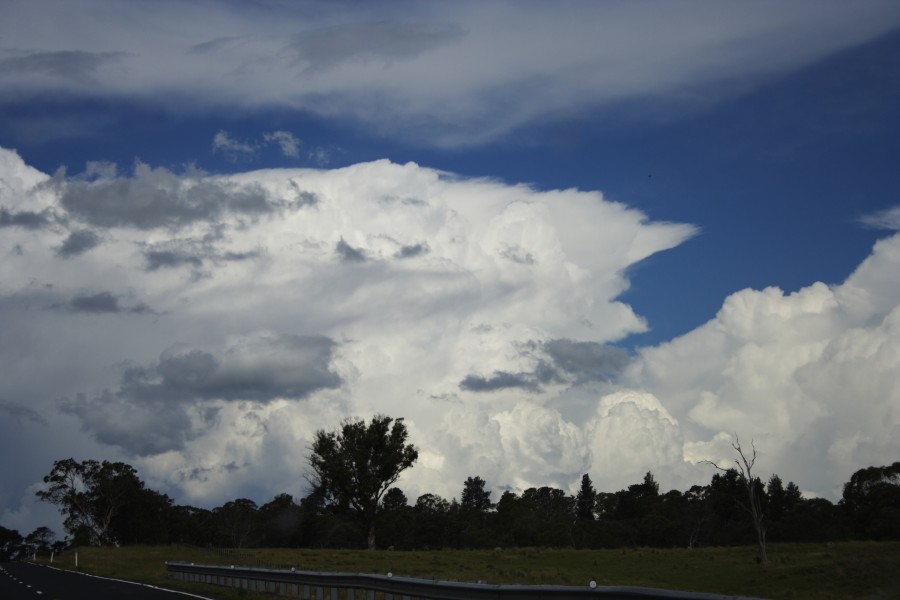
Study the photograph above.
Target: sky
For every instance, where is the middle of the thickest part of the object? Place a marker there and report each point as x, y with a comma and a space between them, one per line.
555, 238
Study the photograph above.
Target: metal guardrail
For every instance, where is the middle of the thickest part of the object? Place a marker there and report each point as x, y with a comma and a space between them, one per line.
310, 585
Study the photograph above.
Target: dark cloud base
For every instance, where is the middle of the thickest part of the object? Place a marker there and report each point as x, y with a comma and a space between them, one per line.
560, 360
158, 408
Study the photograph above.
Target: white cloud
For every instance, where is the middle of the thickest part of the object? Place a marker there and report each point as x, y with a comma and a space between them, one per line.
231, 148
630, 433
287, 141
218, 325
437, 73
479, 311
812, 376
885, 219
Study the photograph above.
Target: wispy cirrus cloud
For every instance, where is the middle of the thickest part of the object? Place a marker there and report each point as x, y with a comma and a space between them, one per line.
443, 74
77, 66
885, 219
236, 150
286, 141
233, 149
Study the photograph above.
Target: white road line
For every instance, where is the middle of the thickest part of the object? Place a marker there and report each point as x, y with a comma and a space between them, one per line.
133, 583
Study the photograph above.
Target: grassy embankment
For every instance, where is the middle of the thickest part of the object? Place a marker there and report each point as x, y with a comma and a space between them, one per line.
807, 571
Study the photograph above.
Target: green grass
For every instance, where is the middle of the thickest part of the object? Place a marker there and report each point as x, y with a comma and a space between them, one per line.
807, 571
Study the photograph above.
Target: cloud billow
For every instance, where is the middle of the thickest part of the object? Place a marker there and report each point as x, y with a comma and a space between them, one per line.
407, 304
140, 429
349, 254
586, 361
177, 252
25, 219
103, 302
78, 242
158, 198
412, 250
811, 376
256, 369
498, 380
162, 407
433, 307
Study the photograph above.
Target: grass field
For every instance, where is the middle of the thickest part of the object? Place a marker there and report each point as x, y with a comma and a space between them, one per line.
796, 571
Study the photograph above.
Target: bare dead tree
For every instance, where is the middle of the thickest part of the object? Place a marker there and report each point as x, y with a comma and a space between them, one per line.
755, 501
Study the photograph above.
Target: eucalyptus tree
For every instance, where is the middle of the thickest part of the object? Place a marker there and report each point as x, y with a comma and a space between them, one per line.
356, 464
90, 495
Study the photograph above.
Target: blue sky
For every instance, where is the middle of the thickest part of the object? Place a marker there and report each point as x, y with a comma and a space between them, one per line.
721, 150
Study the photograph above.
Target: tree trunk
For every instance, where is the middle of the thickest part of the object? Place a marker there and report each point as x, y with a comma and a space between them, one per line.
761, 541
371, 539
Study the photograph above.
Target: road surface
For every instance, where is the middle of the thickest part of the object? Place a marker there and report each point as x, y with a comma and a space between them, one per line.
25, 581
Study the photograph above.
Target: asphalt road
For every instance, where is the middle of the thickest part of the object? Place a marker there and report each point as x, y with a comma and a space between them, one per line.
24, 581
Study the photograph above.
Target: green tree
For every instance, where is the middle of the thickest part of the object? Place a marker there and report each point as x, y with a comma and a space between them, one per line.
586, 500
396, 520
474, 496
278, 521
145, 517
40, 540
10, 543
777, 497
90, 494
431, 522
871, 501
237, 521
472, 519
546, 516
358, 463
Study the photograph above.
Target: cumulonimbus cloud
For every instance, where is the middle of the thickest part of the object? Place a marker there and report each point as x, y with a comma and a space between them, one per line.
374, 288
504, 367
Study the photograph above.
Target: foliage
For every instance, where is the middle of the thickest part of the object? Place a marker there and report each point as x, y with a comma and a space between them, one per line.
871, 501
586, 499
357, 464
90, 495
40, 540
10, 544
474, 496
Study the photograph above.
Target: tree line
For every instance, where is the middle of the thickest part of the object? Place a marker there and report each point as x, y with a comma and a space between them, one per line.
355, 467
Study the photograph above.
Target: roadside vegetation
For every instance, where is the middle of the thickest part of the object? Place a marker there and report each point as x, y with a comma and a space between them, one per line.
795, 571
